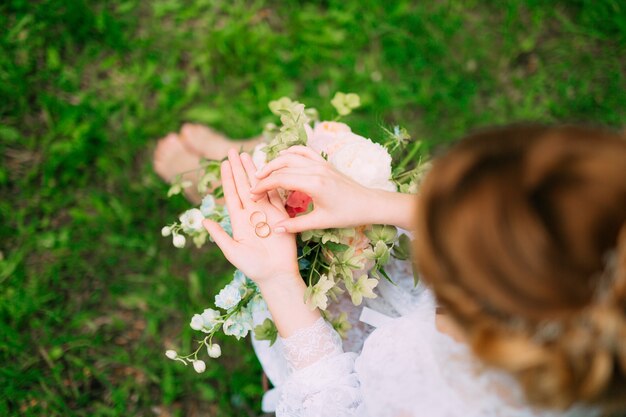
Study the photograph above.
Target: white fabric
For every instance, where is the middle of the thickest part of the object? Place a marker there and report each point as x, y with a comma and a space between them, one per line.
406, 367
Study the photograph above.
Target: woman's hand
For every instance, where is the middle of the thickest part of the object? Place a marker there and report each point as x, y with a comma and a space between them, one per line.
338, 200
268, 259
262, 258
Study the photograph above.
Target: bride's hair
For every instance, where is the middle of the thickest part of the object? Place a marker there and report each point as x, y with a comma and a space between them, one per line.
521, 233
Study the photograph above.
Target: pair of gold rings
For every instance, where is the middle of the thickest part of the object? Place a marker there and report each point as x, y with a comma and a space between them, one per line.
262, 229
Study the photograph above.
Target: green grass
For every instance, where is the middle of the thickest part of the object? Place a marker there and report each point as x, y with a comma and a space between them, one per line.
90, 293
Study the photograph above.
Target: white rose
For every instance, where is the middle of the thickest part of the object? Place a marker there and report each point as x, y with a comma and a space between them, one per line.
214, 350
259, 157
367, 163
191, 220
199, 366
329, 137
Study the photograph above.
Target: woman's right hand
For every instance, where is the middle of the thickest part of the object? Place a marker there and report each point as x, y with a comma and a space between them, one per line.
338, 200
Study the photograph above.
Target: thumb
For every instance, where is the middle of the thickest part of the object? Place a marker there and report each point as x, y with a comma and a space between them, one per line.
298, 224
226, 243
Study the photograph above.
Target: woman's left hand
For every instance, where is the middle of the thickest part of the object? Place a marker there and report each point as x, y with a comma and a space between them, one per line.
255, 249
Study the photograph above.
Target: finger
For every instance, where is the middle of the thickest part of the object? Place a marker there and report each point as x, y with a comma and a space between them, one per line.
298, 224
304, 151
286, 179
251, 170
275, 199
284, 161
240, 177
233, 203
226, 243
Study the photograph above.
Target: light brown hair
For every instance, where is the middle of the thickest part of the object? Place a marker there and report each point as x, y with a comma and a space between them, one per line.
521, 232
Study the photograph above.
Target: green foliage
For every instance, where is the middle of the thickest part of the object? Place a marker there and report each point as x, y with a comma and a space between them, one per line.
266, 331
345, 103
90, 293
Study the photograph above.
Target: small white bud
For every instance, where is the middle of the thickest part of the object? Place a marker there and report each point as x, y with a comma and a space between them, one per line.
196, 322
171, 354
215, 351
199, 366
179, 241
166, 231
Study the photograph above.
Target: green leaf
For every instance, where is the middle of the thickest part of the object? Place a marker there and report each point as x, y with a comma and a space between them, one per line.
402, 248
384, 274
416, 277
336, 247
266, 331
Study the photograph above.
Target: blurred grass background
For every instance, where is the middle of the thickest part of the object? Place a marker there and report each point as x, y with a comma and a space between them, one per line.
90, 293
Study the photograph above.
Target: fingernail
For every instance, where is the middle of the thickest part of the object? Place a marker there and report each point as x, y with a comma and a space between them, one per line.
280, 229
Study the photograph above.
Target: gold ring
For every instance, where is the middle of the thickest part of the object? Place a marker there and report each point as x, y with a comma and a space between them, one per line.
262, 230
256, 215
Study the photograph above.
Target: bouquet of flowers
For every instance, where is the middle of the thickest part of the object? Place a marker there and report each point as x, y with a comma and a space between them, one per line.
331, 261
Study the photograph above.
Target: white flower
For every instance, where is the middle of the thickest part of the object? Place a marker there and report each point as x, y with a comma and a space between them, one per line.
257, 305
329, 137
208, 205
239, 278
206, 321
196, 322
225, 224
179, 241
199, 366
363, 287
214, 350
317, 294
366, 162
228, 297
191, 220
171, 354
259, 157
238, 324
166, 231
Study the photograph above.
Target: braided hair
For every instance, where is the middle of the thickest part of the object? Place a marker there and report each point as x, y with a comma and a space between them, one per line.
521, 233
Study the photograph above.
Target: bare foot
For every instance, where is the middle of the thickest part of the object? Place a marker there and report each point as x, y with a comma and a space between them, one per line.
172, 158
210, 144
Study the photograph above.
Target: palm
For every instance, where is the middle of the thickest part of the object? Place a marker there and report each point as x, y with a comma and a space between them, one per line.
262, 256
255, 248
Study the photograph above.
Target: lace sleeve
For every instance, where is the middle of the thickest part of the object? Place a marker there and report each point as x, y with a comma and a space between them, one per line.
311, 344
323, 383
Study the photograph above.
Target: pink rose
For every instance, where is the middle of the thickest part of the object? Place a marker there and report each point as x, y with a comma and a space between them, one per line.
297, 203
328, 137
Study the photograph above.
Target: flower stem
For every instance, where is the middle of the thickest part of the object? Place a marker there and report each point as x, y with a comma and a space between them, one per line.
410, 155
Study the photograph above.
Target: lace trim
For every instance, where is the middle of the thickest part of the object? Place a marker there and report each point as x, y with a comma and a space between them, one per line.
311, 344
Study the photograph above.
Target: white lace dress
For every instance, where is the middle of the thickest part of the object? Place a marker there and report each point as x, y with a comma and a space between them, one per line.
394, 363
